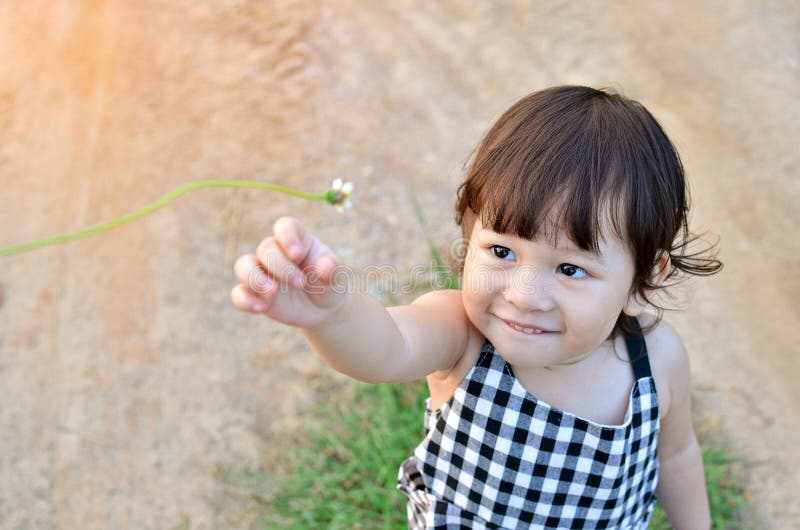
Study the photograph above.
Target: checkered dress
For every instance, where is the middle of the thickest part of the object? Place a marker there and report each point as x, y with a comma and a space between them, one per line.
494, 457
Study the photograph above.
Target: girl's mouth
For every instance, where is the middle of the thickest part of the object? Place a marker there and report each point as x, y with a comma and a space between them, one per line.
527, 330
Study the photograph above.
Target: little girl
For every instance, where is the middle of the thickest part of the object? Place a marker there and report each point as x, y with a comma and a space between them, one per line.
555, 400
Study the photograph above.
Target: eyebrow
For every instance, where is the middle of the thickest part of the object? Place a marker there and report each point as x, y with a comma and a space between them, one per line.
594, 255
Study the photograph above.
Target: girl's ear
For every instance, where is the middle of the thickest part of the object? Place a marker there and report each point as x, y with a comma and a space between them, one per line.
636, 304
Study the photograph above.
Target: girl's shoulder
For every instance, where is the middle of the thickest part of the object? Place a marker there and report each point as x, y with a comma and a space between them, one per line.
669, 361
446, 308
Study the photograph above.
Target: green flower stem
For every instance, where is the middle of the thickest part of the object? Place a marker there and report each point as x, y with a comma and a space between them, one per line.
24, 247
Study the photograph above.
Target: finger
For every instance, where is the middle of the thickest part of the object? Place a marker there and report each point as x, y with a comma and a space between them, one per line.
253, 276
245, 300
292, 237
274, 261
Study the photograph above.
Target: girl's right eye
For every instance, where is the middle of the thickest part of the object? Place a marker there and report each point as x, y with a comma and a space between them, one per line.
501, 252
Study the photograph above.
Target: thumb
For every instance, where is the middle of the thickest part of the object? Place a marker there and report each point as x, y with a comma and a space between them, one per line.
326, 267
316, 260
326, 281
324, 273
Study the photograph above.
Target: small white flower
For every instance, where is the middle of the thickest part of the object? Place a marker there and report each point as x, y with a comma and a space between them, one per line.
340, 195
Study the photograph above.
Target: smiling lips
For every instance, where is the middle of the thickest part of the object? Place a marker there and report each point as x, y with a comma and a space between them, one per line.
528, 330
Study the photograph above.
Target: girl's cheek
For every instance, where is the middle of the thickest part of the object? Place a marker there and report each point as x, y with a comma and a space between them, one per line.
488, 280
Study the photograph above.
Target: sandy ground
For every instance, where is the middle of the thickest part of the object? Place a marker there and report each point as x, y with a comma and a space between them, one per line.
130, 383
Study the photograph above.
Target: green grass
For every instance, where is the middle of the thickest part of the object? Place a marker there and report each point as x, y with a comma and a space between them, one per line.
345, 472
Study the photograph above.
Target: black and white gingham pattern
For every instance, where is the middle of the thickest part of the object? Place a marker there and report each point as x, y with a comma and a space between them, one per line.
496, 458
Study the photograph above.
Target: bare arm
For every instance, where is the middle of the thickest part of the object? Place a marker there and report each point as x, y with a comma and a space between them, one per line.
682, 486
350, 331
378, 345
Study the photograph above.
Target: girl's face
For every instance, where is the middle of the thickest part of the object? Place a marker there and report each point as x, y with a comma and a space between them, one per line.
544, 306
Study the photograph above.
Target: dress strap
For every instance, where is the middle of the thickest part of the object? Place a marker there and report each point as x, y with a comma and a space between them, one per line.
487, 351
637, 350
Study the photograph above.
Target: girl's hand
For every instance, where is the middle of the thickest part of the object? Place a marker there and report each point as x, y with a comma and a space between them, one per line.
290, 279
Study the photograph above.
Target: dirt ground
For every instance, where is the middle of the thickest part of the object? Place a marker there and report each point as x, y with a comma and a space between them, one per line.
129, 381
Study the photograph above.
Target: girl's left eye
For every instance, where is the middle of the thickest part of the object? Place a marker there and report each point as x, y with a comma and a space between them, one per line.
573, 271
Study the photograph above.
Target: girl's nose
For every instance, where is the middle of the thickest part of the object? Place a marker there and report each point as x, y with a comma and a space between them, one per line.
529, 291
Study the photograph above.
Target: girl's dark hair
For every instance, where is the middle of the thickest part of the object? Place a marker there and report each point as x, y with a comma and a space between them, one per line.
567, 157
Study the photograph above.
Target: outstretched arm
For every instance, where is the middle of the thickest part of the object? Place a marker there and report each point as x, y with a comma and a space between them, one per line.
370, 343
